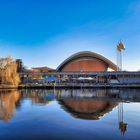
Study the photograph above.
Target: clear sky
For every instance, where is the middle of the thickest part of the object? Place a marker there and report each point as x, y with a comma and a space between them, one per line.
45, 32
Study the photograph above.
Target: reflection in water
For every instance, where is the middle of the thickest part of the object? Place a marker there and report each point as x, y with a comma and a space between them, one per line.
8, 102
87, 109
37, 97
83, 104
122, 125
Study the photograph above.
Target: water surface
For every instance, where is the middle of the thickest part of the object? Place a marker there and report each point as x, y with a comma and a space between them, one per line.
70, 114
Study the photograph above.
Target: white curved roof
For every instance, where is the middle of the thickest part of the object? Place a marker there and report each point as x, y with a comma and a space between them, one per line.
87, 54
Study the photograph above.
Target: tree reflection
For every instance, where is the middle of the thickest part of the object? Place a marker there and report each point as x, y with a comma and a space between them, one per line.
8, 102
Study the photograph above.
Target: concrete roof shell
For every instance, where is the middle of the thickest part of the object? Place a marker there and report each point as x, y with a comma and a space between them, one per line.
87, 54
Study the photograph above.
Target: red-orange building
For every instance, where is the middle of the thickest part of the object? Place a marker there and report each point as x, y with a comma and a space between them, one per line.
86, 62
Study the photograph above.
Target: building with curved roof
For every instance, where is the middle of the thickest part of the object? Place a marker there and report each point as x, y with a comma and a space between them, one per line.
86, 61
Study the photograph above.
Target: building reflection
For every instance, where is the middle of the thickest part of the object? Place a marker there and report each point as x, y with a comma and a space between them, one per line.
87, 109
38, 97
94, 104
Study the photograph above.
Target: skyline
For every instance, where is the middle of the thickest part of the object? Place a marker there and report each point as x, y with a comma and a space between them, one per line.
46, 33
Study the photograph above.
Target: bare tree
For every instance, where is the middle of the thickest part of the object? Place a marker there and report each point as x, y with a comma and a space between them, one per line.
8, 71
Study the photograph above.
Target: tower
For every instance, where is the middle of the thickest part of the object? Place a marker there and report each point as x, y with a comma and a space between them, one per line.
120, 48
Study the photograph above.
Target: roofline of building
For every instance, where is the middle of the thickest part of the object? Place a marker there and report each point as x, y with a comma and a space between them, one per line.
87, 53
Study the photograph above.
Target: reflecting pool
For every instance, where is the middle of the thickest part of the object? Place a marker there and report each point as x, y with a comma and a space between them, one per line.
70, 114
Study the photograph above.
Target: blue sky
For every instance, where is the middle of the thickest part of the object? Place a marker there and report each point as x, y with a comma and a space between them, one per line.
45, 32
